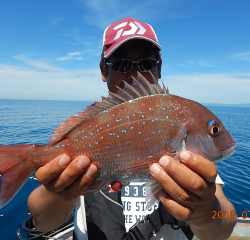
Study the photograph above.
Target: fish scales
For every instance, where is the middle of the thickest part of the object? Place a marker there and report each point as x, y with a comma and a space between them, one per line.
122, 138
121, 135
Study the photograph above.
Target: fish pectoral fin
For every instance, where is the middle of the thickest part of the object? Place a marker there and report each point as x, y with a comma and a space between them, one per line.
152, 192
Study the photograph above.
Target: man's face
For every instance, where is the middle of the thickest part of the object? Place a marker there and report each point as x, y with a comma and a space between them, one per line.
134, 50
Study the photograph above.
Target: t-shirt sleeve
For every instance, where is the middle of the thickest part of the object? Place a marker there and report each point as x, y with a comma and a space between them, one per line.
219, 181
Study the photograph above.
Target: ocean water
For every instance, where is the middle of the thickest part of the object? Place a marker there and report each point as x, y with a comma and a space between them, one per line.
24, 122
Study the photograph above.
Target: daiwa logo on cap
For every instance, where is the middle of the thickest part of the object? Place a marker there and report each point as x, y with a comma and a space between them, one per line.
124, 30
134, 27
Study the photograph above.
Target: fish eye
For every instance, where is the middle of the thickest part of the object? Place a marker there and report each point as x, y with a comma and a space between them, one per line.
213, 128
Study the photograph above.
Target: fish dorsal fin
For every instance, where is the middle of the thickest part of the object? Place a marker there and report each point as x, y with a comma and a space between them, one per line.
140, 87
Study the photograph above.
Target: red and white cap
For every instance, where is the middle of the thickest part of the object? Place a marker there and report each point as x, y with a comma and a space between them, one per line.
129, 28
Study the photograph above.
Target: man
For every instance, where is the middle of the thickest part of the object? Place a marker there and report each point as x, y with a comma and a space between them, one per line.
189, 190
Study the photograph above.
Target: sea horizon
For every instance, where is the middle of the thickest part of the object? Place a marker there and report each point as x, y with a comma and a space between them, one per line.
205, 104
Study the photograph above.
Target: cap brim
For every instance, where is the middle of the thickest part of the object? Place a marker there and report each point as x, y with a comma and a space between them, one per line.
114, 47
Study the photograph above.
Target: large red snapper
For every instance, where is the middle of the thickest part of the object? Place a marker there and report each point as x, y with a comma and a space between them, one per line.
123, 135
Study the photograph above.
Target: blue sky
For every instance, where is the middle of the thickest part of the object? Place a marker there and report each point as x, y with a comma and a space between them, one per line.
50, 50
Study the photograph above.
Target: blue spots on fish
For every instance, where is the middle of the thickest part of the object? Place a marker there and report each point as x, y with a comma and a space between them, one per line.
58, 146
153, 120
131, 127
167, 117
117, 136
143, 122
150, 109
101, 137
107, 146
158, 105
211, 122
133, 101
63, 145
127, 117
68, 144
142, 116
172, 124
126, 109
91, 133
163, 109
124, 131
82, 130
139, 132
108, 125
96, 143
133, 114
110, 134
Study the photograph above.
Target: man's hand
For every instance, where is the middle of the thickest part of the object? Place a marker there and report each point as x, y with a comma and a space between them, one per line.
190, 193
67, 178
63, 181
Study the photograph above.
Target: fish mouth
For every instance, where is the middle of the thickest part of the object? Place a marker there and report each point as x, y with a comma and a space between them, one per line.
226, 153
229, 149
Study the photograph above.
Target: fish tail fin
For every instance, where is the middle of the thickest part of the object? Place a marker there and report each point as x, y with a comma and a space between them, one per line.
152, 192
15, 170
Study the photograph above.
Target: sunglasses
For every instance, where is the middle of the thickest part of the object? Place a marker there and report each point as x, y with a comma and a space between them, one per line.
125, 65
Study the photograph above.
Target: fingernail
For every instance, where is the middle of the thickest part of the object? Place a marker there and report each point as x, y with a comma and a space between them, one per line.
162, 194
64, 160
82, 163
154, 168
91, 172
184, 156
164, 161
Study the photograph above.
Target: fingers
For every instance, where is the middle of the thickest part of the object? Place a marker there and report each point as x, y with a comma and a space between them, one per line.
67, 178
199, 164
52, 169
80, 186
172, 186
185, 182
184, 176
179, 211
78, 166
188, 186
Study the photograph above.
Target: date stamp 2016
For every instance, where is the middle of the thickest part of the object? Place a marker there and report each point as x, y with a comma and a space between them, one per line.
231, 214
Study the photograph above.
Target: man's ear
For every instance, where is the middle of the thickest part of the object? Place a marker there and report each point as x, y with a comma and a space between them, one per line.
104, 72
159, 68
